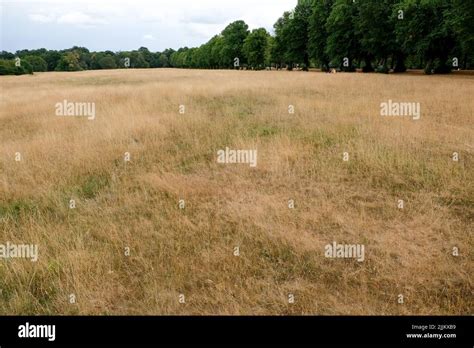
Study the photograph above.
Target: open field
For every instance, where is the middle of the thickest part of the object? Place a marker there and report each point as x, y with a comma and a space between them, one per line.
190, 251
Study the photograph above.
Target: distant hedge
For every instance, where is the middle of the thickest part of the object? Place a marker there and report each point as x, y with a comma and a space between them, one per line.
10, 67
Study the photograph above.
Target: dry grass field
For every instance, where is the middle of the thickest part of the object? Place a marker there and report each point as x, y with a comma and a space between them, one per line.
129, 248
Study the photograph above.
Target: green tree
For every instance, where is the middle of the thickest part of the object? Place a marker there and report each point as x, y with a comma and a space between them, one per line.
163, 61
84, 56
269, 50
342, 44
460, 19
107, 62
52, 59
374, 31
281, 40
6, 55
255, 46
9, 67
297, 39
70, 61
94, 63
147, 55
137, 60
234, 36
37, 63
317, 33
217, 46
425, 33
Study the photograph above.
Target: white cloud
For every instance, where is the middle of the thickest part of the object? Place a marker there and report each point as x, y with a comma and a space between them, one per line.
38, 17
116, 24
204, 31
81, 19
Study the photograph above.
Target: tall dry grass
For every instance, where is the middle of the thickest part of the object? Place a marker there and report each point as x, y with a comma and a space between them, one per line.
191, 251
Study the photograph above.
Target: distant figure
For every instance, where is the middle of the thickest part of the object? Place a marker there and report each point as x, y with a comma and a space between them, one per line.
333, 71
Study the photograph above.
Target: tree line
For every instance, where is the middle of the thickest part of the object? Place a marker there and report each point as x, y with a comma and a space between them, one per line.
372, 35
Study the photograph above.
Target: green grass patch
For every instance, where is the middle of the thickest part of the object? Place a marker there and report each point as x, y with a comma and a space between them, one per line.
16, 209
263, 131
92, 185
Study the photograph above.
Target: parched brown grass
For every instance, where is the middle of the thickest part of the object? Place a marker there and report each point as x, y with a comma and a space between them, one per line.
190, 251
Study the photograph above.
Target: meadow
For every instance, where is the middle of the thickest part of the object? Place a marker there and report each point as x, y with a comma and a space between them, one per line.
159, 226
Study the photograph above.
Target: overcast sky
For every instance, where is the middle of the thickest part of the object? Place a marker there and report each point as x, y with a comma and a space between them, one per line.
127, 24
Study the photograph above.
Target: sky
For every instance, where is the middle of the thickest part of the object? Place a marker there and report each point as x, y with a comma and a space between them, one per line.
120, 25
